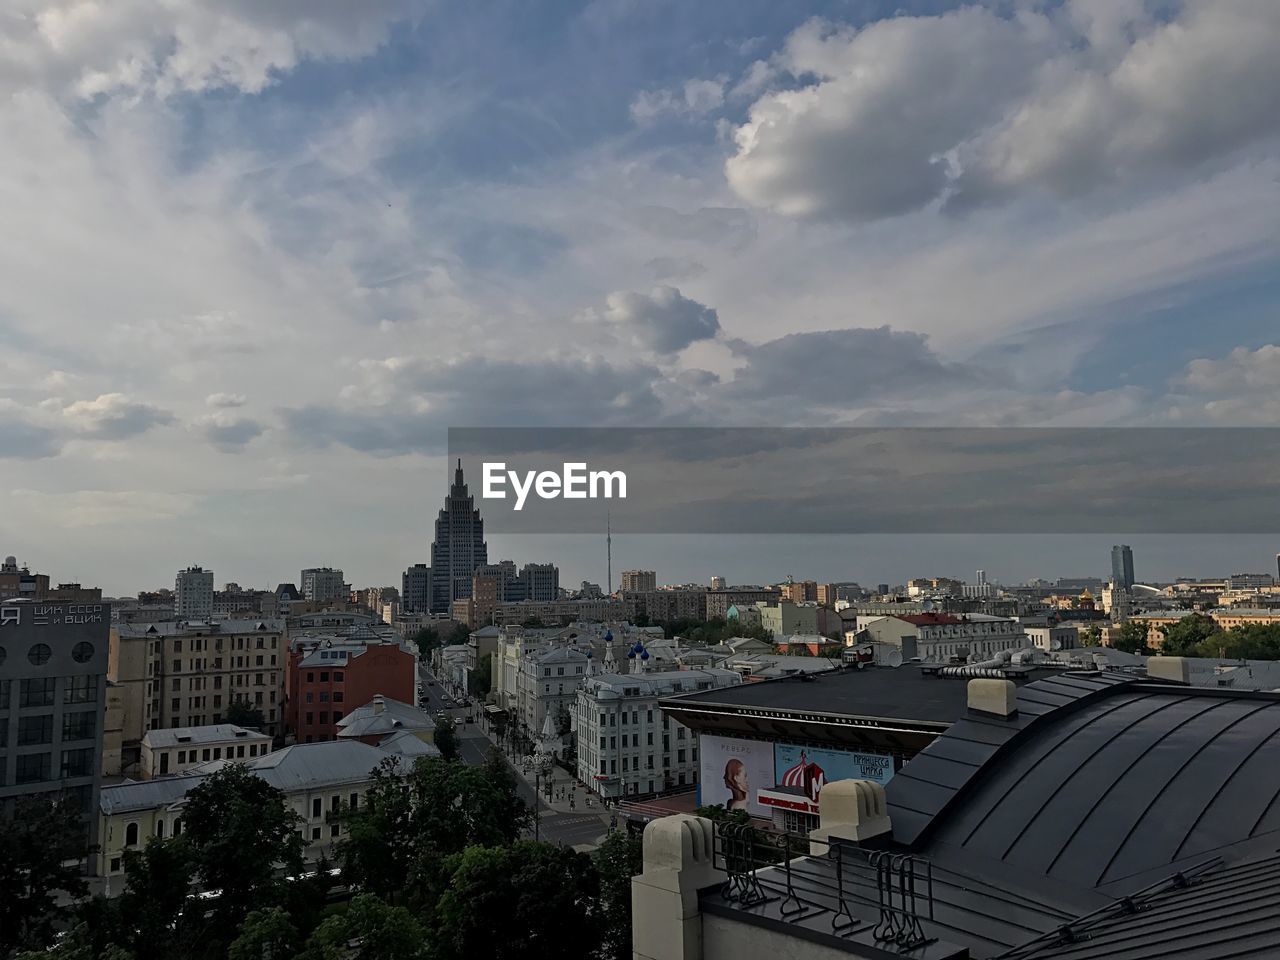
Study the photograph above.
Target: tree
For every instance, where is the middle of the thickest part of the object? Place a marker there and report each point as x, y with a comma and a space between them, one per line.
244, 714
1132, 638
158, 882
378, 930
1182, 638
562, 922
1091, 637
40, 846
1254, 641
480, 680
397, 840
240, 832
446, 739
266, 934
619, 858
426, 640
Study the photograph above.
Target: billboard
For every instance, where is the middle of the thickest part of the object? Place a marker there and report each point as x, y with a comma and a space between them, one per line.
800, 773
732, 772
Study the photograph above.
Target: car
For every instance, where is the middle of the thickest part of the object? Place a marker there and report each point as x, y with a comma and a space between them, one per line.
458, 721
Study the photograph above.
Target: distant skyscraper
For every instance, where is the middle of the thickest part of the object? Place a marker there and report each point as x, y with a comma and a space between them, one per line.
458, 548
982, 577
193, 594
718, 583
1122, 566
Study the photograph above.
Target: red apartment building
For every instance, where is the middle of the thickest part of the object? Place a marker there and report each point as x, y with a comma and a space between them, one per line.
328, 678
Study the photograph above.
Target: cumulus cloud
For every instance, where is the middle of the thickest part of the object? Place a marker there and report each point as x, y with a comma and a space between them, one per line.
225, 400
843, 369
664, 321
421, 398
114, 416
971, 107
227, 432
86, 49
1242, 370
21, 438
695, 98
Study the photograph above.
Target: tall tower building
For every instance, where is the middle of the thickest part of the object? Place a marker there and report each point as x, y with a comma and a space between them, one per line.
458, 548
415, 588
1122, 566
193, 594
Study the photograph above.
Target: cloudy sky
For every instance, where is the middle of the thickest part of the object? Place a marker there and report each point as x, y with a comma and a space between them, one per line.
255, 259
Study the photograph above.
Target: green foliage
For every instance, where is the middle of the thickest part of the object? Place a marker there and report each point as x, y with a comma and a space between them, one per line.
244, 714
398, 838
265, 935
238, 832
1182, 638
713, 631
37, 843
546, 896
1132, 638
378, 930
618, 859
1091, 637
158, 880
480, 680
532, 622
447, 739
426, 640
1253, 641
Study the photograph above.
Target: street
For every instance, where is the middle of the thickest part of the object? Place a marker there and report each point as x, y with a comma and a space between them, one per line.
557, 824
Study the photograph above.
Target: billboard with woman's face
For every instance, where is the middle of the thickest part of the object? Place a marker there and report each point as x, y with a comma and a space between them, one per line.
731, 772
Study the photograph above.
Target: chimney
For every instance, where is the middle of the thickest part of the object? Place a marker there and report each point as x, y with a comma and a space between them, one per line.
849, 810
998, 698
1175, 669
379, 704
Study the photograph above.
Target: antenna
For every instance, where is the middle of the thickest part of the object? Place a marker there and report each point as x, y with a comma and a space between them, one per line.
608, 549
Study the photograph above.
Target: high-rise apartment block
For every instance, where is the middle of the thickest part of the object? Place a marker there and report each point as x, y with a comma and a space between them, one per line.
186, 674
638, 581
324, 585
1122, 566
415, 589
193, 594
53, 668
458, 548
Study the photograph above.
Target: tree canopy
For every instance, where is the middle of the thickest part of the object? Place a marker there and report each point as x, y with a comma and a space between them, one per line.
39, 847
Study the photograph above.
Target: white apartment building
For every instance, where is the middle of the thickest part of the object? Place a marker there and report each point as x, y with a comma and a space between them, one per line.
177, 750
626, 746
939, 637
547, 683
1053, 637
318, 781
193, 594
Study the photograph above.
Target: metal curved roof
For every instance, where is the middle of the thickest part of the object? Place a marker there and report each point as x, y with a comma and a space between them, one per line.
1129, 781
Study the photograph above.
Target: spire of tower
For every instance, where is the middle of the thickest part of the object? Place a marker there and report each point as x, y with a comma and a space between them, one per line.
608, 547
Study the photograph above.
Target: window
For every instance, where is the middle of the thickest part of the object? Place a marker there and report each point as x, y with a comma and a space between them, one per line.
310, 697
355, 801
311, 718
182, 756
649, 739
80, 690
35, 730
337, 696
177, 666
78, 762
324, 716
613, 743
334, 829
175, 705
79, 726
337, 676
315, 806
177, 646
82, 652
324, 696
115, 864
335, 802
36, 693
315, 833
337, 715
240, 751
33, 767
602, 742
259, 663
324, 676
131, 835
679, 756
